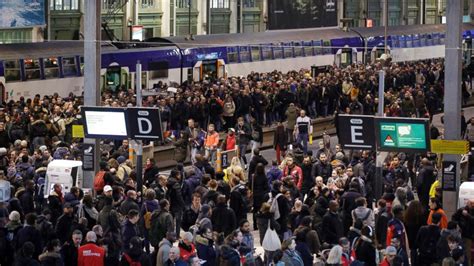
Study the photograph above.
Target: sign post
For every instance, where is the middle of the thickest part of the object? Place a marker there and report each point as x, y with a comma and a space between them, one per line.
138, 87
378, 191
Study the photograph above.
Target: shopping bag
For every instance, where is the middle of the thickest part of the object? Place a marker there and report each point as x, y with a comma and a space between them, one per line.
271, 241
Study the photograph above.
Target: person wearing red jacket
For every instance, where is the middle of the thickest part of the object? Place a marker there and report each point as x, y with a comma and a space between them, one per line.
186, 247
293, 170
91, 254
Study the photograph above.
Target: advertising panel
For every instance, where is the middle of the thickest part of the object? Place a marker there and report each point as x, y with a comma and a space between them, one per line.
295, 14
22, 13
399, 134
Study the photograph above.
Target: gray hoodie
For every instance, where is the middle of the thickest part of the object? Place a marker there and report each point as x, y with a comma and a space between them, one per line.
163, 251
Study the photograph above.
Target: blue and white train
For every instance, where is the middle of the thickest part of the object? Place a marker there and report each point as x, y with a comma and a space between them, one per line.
49, 67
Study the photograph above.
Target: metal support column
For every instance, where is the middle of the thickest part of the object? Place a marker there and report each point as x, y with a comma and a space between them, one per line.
452, 95
139, 168
92, 27
378, 191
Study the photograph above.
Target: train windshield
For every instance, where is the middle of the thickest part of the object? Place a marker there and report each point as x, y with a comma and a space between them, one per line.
113, 78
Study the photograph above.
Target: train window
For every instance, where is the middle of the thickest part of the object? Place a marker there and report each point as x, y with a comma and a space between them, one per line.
255, 53
266, 52
318, 47
232, 55
158, 70
287, 50
308, 49
298, 49
32, 69
51, 68
327, 47
12, 70
69, 67
277, 51
244, 53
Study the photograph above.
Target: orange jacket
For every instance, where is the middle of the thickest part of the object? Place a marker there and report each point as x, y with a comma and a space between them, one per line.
444, 219
212, 140
90, 255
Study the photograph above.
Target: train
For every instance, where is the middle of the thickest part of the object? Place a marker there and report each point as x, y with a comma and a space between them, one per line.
58, 66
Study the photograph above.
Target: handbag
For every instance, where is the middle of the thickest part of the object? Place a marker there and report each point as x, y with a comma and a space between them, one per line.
271, 241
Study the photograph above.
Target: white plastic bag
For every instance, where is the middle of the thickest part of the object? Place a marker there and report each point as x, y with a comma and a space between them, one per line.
271, 241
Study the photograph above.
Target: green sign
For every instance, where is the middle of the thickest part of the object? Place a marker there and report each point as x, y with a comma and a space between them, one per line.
402, 135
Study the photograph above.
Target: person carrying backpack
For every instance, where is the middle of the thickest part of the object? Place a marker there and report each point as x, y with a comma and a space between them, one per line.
362, 213
161, 223
426, 241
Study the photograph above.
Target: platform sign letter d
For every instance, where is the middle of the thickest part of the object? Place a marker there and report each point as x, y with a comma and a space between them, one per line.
144, 125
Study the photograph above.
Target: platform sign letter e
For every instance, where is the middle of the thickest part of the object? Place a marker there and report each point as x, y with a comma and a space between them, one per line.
356, 130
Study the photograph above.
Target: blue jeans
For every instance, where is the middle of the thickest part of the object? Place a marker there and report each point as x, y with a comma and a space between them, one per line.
242, 152
303, 137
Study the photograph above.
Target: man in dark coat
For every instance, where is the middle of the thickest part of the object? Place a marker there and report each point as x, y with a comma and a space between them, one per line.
332, 227
427, 239
175, 188
27, 198
322, 168
425, 179
29, 233
465, 218
66, 223
256, 159
130, 203
348, 204
129, 228
70, 248
223, 218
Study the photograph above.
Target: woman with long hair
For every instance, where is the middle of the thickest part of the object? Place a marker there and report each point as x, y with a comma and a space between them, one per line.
260, 188
414, 218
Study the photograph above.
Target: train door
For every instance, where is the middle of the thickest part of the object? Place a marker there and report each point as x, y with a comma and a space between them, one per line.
209, 69
377, 52
346, 56
115, 78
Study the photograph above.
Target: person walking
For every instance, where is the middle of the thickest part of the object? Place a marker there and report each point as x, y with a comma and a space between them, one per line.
302, 130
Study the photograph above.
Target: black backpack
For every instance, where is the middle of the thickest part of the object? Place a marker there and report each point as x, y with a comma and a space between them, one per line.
428, 248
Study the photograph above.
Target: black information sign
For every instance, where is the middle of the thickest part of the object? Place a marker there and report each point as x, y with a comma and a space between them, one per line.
449, 176
88, 157
356, 131
144, 123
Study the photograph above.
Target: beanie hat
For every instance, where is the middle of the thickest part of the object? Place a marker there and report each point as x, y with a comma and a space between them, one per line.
121, 159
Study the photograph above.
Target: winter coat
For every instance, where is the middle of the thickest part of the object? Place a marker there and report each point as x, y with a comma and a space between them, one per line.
365, 251
69, 253
465, 222
223, 219
186, 251
128, 205
206, 251
175, 195
64, 227
291, 115
129, 230
305, 254
29, 234
292, 258
256, 159
260, 190
181, 150
230, 255
280, 137
51, 259
332, 228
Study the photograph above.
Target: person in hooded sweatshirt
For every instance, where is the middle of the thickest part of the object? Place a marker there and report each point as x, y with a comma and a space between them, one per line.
135, 254
164, 248
365, 247
52, 256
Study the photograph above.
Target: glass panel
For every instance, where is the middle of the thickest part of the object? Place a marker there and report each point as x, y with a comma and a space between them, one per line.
267, 52
278, 51
244, 54
148, 3
255, 53
232, 55
51, 68
250, 3
58, 4
287, 50
32, 69
12, 71
69, 67
220, 3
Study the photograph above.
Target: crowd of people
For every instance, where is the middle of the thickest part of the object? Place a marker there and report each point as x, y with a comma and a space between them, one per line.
308, 206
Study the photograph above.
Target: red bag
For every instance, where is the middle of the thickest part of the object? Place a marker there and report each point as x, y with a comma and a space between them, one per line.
99, 181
